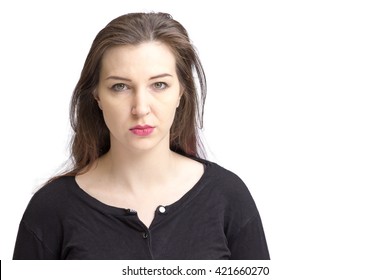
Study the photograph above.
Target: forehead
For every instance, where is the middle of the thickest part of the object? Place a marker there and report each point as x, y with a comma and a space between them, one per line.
145, 58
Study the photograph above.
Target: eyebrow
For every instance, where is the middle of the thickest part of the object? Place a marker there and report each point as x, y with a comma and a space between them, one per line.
129, 80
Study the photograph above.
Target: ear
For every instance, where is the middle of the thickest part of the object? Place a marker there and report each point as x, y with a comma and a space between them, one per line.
178, 101
96, 96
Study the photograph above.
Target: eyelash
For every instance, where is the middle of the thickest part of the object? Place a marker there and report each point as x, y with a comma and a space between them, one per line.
165, 85
115, 87
125, 87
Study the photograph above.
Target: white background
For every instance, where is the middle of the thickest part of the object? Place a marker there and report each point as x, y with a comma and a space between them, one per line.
298, 106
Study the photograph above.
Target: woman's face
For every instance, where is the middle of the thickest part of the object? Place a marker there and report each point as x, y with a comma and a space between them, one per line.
139, 92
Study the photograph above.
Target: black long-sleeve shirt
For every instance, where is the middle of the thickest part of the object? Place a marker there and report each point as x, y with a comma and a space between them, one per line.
216, 219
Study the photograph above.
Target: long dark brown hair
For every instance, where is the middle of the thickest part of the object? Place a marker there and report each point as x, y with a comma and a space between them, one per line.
91, 138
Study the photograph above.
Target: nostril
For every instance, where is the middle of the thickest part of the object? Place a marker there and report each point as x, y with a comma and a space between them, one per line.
140, 111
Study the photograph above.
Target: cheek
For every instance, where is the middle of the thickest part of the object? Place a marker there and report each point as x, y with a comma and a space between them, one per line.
166, 113
114, 115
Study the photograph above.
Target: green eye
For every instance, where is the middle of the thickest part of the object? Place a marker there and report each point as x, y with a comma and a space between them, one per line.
160, 85
119, 87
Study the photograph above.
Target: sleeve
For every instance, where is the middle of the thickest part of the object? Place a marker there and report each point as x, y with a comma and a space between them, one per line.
29, 247
250, 242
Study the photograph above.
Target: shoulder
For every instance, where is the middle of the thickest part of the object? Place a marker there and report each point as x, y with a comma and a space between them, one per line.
41, 227
50, 199
228, 185
230, 196
225, 178
57, 188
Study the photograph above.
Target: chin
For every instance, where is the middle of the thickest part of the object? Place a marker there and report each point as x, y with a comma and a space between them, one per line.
145, 146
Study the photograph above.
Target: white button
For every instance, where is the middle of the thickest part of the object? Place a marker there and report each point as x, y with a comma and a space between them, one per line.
161, 209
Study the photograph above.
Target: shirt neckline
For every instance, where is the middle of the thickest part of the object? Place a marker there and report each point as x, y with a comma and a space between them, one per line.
118, 211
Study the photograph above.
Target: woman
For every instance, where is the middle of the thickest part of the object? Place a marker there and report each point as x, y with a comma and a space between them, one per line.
138, 188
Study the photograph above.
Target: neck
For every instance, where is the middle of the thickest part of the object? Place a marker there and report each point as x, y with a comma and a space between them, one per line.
141, 170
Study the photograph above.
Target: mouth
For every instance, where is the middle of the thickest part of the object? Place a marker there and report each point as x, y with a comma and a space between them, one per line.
142, 130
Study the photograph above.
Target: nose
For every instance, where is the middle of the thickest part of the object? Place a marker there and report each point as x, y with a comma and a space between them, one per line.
140, 104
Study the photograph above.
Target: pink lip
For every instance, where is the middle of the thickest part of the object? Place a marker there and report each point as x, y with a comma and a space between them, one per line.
142, 130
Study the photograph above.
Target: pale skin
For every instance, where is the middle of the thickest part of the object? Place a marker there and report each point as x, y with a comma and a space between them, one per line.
138, 85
